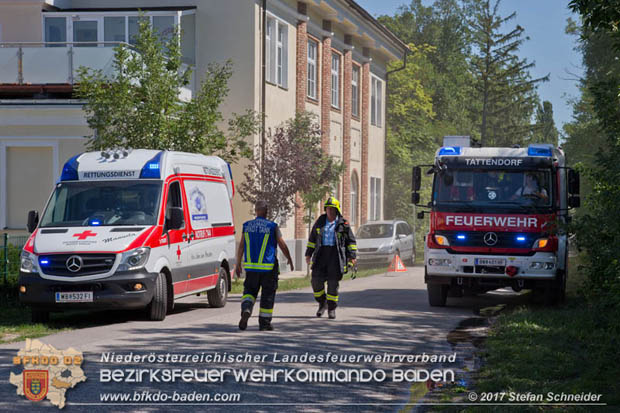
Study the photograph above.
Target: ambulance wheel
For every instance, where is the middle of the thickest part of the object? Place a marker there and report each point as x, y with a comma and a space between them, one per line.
437, 294
40, 316
158, 307
217, 296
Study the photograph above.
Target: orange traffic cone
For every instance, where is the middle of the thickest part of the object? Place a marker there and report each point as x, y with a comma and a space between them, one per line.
397, 265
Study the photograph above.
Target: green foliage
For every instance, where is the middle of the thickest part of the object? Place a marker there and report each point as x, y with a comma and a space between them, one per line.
292, 161
545, 131
430, 98
139, 106
503, 84
596, 125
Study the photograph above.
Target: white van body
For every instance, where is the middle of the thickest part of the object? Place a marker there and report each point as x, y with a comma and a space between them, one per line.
105, 238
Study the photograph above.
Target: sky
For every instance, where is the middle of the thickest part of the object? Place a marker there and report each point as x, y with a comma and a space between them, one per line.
549, 47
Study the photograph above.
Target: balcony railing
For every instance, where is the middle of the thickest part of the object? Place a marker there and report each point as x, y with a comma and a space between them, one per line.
57, 63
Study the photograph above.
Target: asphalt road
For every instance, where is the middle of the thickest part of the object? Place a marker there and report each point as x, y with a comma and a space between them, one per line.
378, 315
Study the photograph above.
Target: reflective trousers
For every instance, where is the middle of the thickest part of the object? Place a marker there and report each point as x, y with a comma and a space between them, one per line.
267, 283
326, 269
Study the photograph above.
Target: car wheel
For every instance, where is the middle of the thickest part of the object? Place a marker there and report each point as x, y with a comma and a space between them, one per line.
217, 296
158, 307
412, 259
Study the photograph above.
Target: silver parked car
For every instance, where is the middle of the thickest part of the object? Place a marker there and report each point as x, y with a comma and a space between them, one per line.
379, 241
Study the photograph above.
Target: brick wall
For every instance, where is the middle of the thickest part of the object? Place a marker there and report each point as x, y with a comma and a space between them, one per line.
365, 131
346, 134
301, 85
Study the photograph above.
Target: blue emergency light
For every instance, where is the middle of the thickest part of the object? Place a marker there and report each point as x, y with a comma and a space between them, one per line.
44, 261
70, 170
540, 149
461, 237
151, 169
450, 150
521, 238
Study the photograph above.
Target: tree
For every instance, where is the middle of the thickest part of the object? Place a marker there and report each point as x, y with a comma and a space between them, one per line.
138, 105
504, 87
409, 140
597, 227
293, 161
545, 131
430, 98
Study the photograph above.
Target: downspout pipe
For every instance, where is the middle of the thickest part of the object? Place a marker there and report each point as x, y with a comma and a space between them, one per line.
387, 97
263, 88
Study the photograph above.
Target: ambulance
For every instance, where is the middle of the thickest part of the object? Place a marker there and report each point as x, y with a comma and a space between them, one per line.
131, 229
497, 219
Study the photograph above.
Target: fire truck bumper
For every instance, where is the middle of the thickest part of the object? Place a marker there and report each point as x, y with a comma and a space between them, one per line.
540, 266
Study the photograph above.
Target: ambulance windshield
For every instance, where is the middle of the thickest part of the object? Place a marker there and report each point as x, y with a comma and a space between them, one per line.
109, 203
493, 189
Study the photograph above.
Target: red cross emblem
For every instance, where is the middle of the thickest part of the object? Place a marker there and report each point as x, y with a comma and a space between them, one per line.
178, 252
85, 235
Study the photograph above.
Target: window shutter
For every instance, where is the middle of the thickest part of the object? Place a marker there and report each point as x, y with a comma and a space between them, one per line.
284, 55
379, 103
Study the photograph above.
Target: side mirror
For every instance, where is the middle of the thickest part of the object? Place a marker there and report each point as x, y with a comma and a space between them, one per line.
421, 215
415, 198
33, 220
175, 218
574, 201
416, 179
573, 182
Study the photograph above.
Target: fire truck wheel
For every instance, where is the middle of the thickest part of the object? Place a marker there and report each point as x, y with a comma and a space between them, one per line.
40, 316
217, 296
158, 307
437, 294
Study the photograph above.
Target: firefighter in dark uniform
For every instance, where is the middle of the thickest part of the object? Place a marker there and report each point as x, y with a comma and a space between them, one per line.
258, 250
331, 249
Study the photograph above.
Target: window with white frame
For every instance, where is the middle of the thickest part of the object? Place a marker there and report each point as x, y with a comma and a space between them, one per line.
277, 52
313, 48
87, 29
335, 80
354, 199
375, 199
375, 102
355, 90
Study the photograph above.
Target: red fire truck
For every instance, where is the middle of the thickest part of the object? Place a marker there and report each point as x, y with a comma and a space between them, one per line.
497, 219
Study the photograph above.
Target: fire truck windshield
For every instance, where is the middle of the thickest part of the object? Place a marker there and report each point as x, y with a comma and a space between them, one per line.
488, 189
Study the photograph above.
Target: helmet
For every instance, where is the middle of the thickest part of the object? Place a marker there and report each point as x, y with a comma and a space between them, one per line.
333, 202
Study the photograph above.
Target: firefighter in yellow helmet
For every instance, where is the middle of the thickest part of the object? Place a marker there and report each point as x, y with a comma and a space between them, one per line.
331, 247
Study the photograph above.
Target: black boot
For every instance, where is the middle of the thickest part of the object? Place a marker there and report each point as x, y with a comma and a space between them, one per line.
264, 325
322, 309
331, 314
245, 316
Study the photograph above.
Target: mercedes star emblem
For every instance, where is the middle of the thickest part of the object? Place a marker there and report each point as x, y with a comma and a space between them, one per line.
490, 238
74, 263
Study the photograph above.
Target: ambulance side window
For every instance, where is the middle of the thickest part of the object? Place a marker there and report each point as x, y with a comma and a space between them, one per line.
174, 197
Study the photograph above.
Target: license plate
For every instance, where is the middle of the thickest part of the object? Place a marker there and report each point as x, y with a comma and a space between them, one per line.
75, 297
498, 262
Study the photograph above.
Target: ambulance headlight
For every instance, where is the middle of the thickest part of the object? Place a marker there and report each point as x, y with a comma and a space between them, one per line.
28, 262
134, 259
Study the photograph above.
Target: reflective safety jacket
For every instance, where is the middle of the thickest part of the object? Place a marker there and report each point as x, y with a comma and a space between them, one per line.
260, 245
345, 241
